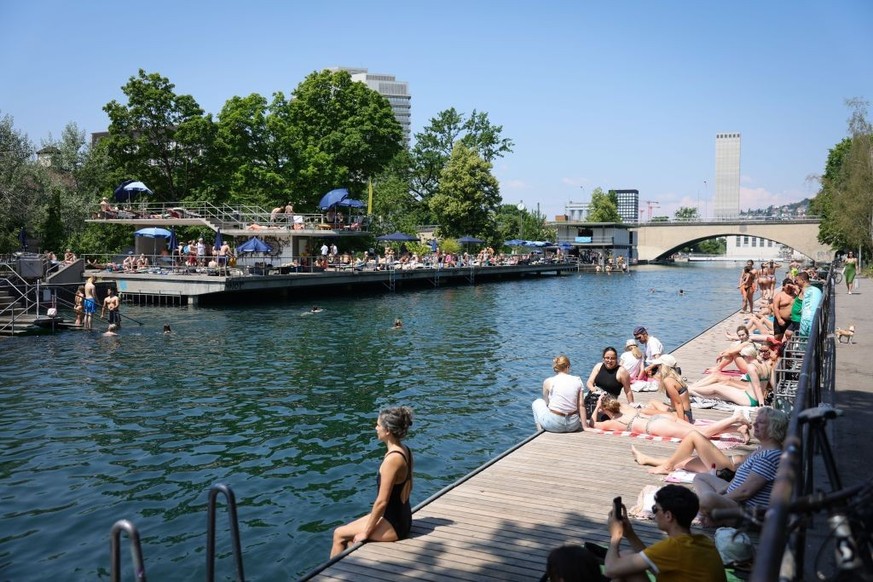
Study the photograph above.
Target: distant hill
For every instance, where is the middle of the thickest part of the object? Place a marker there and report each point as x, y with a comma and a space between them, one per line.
795, 209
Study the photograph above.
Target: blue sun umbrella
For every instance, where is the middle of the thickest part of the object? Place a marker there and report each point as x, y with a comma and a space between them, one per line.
153, 232
333, 198
254, 245
217, 243
397, 237
470, 240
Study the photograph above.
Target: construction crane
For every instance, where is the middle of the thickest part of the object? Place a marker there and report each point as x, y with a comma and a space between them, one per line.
651, 204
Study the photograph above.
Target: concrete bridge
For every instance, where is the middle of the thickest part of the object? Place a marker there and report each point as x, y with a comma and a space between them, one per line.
658, 240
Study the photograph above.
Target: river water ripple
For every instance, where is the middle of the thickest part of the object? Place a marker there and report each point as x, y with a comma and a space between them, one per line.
280, 404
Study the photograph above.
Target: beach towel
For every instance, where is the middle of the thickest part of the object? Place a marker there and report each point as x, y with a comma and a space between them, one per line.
734, 373
727, 437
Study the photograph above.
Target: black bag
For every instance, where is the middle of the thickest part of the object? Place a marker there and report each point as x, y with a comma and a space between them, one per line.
591, 402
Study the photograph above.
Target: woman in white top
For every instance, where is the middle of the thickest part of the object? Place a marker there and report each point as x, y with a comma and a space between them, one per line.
632, 360
562, 407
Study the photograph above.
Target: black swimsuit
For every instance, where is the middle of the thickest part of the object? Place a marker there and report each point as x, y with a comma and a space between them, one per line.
607, 380
399, 513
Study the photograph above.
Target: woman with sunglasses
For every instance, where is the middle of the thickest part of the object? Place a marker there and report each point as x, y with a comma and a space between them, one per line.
610, 377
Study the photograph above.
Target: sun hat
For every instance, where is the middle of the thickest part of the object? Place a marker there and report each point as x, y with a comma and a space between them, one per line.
630, 343
665, 360
639, 329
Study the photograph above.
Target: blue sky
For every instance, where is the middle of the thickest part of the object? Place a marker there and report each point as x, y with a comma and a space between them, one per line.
624, 94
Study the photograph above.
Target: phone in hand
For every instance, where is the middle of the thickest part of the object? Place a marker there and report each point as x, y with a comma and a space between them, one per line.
616, 507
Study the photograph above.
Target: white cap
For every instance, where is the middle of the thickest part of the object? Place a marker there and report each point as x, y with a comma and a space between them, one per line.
665, 360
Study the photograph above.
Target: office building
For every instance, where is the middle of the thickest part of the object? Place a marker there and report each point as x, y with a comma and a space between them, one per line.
628, 205
396, 92
726, 203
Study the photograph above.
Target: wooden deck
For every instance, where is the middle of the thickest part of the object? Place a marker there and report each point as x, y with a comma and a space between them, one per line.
501, 522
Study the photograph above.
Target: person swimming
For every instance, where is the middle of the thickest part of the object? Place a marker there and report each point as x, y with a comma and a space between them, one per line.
398, 323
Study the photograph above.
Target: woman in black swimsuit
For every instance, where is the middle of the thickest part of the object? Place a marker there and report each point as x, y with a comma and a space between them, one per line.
391, 517
610, 377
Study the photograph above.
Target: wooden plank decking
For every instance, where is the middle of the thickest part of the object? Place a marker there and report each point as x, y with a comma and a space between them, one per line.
501, 523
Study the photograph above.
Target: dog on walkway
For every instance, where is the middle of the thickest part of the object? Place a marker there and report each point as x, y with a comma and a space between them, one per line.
847, 334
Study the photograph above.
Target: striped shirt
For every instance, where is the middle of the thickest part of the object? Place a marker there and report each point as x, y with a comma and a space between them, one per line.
763, 462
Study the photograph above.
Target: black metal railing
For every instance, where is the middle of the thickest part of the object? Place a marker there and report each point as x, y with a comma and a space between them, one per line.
795, 475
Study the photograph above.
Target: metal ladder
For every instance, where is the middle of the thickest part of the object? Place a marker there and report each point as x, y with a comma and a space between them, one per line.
136, 548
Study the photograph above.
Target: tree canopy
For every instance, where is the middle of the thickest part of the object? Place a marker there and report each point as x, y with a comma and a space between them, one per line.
604, 206
468, 196
845, 200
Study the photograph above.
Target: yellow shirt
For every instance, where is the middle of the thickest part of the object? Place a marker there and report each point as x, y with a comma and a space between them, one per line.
685, 558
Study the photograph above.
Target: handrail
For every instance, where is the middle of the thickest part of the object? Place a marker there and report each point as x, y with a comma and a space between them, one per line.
135, 551
794, 476
234, 532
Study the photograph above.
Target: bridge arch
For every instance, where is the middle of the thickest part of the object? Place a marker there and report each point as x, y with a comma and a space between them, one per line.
658, 240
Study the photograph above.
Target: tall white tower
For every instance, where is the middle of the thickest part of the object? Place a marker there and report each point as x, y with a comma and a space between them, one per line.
396, 92
726, 203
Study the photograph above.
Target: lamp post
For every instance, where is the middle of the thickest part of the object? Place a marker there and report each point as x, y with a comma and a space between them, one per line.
520, 220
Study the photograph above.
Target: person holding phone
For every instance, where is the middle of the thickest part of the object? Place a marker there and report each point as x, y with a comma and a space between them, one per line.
682, 555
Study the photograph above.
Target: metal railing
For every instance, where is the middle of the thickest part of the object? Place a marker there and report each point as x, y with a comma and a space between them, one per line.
795, 475
243, 217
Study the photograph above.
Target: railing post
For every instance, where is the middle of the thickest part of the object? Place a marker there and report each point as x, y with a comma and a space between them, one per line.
234, 532
135, 551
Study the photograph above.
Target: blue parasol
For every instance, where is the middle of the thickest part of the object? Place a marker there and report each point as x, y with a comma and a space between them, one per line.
470, 240
217, 243
153, 232
333, 198
172, 243
130, 189
254, 245
396, 237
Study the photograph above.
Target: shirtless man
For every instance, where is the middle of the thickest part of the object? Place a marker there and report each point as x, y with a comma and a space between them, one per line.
782, 303
223, 255
110, 304
90, 302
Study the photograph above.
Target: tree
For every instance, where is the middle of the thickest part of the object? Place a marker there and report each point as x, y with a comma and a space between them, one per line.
21, 192
434, 146
468, 196
160, 137
845, 201
514, 223
338, 132
686, 213
604, 206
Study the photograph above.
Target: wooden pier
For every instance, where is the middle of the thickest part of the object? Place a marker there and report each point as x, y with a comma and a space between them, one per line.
500, 522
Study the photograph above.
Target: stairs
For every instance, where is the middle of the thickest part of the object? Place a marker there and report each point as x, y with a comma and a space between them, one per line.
15, 320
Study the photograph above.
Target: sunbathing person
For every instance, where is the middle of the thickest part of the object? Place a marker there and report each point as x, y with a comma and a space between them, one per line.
731, 355
708, 457
626, 418
748, 390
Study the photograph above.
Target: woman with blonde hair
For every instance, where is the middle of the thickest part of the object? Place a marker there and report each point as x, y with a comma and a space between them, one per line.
632, 360
391, 517
562, 407
672, 384
625, 418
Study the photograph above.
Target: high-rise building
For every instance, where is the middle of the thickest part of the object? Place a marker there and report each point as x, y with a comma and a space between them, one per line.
628, 205
726, 203
396, 92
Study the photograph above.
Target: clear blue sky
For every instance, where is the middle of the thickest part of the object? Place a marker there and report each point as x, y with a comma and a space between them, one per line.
625, 94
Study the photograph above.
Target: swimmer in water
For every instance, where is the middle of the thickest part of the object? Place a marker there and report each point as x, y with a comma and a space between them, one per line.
167, 328
398, 323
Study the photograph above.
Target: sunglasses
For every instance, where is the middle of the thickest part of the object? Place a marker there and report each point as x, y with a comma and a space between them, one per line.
655, 509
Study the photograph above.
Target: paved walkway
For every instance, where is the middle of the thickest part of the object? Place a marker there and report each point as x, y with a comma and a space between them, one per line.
854, 396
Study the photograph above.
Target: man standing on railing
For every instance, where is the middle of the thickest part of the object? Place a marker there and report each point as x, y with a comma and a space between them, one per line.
811, 300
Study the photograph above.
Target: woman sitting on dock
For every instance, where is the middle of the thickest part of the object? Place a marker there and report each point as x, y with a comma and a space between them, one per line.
610, 377
391, 517
665, 369
747, 390
628, 419
562, 407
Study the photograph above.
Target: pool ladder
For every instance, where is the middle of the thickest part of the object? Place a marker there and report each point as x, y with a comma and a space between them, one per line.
136, 548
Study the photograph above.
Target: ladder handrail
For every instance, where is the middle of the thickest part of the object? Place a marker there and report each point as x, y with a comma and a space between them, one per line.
135, 551
234, 532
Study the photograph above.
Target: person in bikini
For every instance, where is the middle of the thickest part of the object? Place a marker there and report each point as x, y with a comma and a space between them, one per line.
391, 517
625, 418
748, 390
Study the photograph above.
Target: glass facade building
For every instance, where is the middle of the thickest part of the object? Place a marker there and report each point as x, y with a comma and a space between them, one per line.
726, 203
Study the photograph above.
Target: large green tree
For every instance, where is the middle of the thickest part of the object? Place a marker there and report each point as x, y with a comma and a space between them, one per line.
337, 132
468, 196
22, 193
434, 146
514, 223
686, 213
604, 206
845, 201
160, 137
